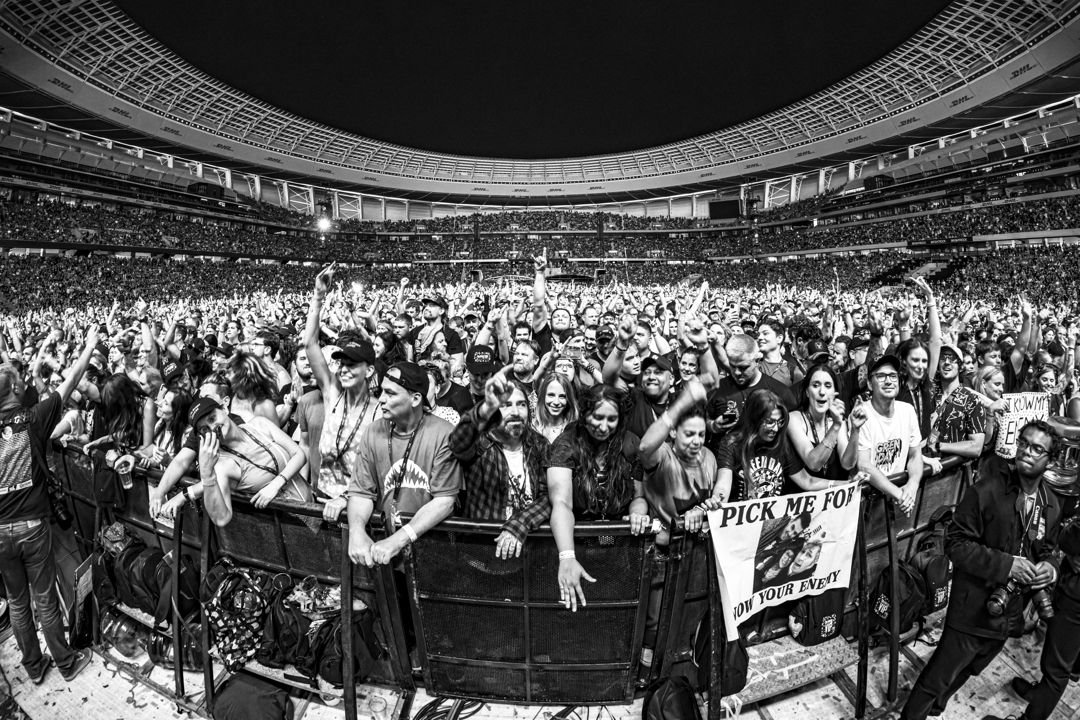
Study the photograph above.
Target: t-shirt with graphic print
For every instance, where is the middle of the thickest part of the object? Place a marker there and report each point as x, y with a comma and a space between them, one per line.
430, 471
886, 441
770, 468
24, 472
519, 489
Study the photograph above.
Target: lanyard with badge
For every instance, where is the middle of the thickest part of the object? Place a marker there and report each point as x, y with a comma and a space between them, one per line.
1032, 525
395, 516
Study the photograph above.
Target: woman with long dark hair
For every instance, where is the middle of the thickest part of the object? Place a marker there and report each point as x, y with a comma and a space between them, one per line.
593, 473
171, 429
757, 461
813, 429
123, 424
556, 406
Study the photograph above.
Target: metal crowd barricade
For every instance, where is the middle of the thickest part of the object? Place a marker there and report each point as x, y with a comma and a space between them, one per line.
495, 629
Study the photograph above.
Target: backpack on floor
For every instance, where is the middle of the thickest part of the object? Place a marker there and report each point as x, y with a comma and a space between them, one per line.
817, 618
670, 698
911, 593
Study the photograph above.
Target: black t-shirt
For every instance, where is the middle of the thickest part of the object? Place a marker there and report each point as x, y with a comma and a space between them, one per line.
644, 411
770, 469
24, 470
457, 397
728, 397
563, 455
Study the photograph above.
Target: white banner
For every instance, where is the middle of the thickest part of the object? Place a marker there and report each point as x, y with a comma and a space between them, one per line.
773, 550
1019, 409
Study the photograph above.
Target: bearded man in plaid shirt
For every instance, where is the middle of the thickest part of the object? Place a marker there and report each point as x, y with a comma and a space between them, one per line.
505, 463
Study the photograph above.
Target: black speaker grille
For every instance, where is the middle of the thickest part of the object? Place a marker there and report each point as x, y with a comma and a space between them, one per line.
466, 566
580, 686
477, 632
557, 634
480, 681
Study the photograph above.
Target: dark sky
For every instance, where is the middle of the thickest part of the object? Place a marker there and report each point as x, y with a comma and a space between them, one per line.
547, 79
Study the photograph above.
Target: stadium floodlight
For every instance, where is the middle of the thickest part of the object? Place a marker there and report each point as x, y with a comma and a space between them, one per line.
323, 224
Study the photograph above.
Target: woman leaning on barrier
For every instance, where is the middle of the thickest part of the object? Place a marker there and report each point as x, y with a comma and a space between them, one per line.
256, 457
815, 427
757, 461
593, 474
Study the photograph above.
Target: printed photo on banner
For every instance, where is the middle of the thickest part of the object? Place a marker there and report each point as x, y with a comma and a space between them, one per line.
1019, 409
773, 550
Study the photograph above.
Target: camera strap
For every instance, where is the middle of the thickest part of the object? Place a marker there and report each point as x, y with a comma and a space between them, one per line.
1029, 521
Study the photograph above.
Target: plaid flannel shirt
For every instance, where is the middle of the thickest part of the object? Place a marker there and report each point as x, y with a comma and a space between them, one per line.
486, 473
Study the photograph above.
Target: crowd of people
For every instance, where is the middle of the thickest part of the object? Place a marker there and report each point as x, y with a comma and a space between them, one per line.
651, 394
502, 236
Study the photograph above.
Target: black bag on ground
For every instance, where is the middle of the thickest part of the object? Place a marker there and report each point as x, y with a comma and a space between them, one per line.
285, 634
931, 560
245, 697
670, 698
323, 656
735, 664
817, 618
911, 593
188, 595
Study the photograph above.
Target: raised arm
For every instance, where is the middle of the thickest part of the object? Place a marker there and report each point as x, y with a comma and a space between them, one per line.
77, 370
540, 311
319, 369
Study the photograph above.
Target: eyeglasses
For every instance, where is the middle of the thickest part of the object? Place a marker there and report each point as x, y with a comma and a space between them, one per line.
772, 422
885, 376
1035, 451
948, 360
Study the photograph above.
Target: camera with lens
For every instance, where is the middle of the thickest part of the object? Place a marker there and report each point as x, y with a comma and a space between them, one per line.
999, 600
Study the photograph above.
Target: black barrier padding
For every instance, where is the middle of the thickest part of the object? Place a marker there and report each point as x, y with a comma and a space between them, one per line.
476, 632
466, 567
489, 681
252, 538
578, 686
590, 635
309, 548
615, 562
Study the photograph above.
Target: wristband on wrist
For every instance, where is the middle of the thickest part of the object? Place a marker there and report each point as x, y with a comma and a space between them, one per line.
188, 496
410, 532
567, 555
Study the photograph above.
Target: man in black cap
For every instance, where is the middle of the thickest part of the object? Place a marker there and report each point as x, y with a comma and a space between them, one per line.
653, 395
422, 338
887, 433
404, 465
481, 363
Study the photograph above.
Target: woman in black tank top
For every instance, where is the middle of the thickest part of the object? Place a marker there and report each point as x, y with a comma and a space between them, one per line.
815, 426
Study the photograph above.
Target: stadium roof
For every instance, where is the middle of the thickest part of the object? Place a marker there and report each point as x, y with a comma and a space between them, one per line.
921, 87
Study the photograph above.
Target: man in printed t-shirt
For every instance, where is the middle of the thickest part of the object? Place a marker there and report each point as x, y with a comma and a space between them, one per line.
888, 435
404, 465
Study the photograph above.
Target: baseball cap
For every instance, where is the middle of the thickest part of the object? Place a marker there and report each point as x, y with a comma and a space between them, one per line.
436, 300
660, 361
225, 348
954, 350
886, 360
817, 351
171, 372
480, 360
858, 343
411, 377
201, 408
356, 352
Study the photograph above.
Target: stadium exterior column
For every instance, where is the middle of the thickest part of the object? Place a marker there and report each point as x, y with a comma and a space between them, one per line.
821, 181
850, 171
693, 206
793, 191
382, 201
228, 178
199, 170
258, 188
335, 207
765, 201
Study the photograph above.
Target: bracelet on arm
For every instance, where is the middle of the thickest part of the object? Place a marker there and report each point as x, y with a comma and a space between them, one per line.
567, 555
410, 532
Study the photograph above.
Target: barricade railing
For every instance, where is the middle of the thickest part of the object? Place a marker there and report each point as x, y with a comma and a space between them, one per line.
495, 629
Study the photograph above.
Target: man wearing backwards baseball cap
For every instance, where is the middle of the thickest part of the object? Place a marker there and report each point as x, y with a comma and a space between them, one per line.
887, 433
404, 465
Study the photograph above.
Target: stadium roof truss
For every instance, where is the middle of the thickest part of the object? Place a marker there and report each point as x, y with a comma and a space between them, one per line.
96, 41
